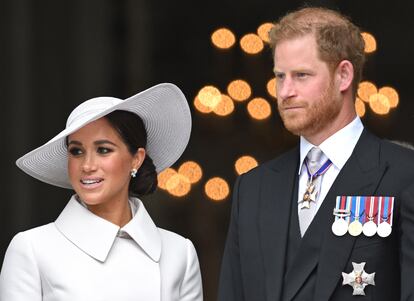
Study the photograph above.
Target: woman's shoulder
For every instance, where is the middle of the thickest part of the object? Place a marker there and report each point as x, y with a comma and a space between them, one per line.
32, 236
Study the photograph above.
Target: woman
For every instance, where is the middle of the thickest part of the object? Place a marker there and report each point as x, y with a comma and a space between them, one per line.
104, 245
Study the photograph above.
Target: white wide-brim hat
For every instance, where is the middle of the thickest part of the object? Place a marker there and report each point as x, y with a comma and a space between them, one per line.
163, 109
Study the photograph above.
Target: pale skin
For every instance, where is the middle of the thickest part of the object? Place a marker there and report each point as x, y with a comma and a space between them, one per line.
99, 167
313, 100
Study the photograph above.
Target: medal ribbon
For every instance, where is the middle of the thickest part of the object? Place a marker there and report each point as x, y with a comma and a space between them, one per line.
357, 204
386, 209
342, 205
325, 166
371, 206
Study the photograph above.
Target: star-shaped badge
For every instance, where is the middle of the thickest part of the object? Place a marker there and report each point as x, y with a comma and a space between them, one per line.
358, 278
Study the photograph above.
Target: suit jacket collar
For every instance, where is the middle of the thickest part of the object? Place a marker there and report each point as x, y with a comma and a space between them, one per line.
361, 175
95, 235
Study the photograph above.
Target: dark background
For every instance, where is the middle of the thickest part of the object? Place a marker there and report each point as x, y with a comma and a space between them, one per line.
56, 54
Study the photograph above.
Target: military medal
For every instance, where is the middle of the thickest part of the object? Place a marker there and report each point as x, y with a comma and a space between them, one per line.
311, 189
355, 227
385, 213
341, 213
371, 208
358, 279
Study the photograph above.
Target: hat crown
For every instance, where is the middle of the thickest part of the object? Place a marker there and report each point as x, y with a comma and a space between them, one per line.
91, 107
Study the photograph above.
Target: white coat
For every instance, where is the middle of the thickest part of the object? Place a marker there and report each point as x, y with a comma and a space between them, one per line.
82, 257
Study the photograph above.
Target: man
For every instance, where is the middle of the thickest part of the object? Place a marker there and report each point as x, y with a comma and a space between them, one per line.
332, 219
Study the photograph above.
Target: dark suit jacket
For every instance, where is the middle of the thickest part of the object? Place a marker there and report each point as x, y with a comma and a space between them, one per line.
254, 262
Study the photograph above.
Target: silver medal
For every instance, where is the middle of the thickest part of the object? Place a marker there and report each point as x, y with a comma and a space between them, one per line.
340, 227
384, 229
369, 228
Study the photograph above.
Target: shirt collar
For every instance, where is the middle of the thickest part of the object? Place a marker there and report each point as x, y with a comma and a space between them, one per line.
95, 235
338, 147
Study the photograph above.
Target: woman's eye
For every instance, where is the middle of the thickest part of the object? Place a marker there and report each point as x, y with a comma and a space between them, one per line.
104, 150
74, 151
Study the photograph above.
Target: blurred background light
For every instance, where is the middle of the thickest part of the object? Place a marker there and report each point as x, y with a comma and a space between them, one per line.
200, 107
391, 94
239, 90
164, 176
263, 31
209, 96
223, 38
217, 189
191, 170
225, 106
366, 89
379, 104
370, 42
360, 107
251, 43
271, 87
178, 185
259, 108
244, 164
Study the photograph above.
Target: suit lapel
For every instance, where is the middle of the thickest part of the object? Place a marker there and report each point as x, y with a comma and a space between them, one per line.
275, 205
361, 175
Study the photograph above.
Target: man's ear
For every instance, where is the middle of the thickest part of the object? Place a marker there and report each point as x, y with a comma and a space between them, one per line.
345, 74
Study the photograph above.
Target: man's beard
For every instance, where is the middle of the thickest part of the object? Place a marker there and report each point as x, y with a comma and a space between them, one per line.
318, 114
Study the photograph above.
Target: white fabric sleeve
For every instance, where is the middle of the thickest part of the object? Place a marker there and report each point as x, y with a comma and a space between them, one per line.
20, 278
191, 288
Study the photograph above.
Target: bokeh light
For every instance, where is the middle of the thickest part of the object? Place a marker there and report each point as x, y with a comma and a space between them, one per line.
251, 43
360, 107
191, 170
178, 185
209, 96
391, 94
370, 42
366, 89
239, 90
200, 107
263, 31
225, 106
217, 189
271, 87
259, 108
223, 38
244, 164
164, 176
379, 103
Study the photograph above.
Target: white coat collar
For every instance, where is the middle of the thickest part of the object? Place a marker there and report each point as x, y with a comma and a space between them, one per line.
95, 235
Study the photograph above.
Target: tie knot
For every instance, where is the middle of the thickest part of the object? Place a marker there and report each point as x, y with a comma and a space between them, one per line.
314, 159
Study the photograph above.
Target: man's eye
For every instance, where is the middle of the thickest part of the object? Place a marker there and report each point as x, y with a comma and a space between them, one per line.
279, 76
301, 75
74, 151
104, 150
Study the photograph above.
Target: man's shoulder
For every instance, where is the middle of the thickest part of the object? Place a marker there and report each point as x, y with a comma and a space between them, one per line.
287, 159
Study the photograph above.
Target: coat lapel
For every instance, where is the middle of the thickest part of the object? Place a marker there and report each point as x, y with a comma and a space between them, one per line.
361, 175
275, 205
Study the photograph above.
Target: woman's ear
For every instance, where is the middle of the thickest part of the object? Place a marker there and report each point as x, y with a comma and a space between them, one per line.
345, 75
138, 158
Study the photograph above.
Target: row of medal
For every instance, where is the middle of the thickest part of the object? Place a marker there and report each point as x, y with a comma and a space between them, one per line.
369, 215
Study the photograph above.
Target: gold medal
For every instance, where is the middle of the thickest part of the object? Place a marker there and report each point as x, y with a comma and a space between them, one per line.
355, 228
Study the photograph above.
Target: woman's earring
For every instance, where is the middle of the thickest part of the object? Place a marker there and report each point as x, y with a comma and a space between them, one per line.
134, 172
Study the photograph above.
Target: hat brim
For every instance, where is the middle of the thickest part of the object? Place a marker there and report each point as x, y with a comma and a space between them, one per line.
167, 119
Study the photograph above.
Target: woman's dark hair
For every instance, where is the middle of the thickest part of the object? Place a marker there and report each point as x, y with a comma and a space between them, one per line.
132, 131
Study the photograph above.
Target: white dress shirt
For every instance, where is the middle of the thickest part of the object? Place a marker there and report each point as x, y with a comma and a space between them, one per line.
84, 257
337, 148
